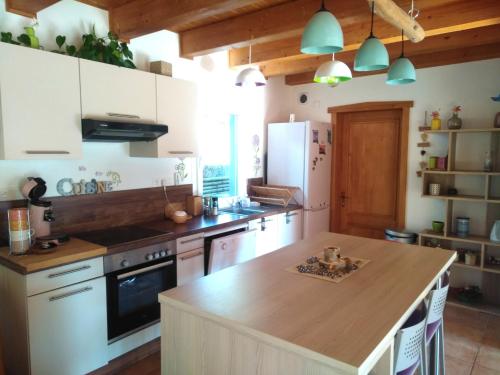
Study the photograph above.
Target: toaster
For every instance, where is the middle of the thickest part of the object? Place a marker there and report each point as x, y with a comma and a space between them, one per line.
495, 232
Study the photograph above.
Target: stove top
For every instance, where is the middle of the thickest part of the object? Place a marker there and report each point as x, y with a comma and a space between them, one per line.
119, 235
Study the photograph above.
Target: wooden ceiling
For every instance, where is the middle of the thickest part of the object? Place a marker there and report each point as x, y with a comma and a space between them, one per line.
456, 30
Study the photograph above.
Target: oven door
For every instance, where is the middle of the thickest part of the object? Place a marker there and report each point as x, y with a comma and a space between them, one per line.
133, 295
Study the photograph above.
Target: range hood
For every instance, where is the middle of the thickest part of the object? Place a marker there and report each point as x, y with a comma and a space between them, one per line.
116, 131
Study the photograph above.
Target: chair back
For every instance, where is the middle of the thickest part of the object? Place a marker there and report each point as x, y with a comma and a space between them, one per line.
408, 343
437, 301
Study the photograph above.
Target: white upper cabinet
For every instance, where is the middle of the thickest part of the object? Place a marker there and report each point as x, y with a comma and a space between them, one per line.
40, 105
112, 92
178, 108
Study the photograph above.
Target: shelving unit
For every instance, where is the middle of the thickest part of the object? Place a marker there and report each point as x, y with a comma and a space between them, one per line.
478, 188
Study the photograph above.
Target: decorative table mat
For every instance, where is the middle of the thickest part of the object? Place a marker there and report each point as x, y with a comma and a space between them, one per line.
313, 268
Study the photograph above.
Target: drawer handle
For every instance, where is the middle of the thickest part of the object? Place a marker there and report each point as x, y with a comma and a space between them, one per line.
47, 152
180, 152
290, 215
58, 274
122, 115
191, 240
192, 255
69, 294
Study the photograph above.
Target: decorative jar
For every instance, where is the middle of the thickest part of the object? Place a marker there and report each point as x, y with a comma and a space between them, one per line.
436, 121
454, 121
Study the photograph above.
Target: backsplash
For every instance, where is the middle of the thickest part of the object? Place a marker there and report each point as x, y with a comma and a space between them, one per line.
102, 162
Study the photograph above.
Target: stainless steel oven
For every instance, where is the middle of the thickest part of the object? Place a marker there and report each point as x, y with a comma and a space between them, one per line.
134, 279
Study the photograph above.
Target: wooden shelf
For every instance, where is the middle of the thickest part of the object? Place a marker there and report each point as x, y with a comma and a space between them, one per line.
481, 240
459, 197
478, 130
482, 307
463, 172
494, 268
463, 265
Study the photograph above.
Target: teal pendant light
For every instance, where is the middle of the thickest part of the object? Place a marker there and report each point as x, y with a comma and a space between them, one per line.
332, 72
402, 71
372, 55
322, 34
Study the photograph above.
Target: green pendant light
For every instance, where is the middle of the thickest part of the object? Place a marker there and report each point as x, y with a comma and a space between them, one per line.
402, 71
372, 55
322, 34
332, 72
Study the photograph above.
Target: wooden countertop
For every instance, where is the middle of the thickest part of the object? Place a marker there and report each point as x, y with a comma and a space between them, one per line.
345, 321
72, 251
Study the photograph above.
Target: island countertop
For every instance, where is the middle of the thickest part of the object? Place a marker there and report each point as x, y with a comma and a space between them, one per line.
344, 324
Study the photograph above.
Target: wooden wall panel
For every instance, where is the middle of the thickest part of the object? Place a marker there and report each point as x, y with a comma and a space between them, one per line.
97, 211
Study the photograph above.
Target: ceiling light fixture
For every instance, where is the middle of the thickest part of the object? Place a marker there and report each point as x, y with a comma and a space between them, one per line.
372, 55
402, 71
322, 34
332, 72
251, 76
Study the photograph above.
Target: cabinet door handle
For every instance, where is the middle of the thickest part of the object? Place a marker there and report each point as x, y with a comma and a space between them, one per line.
122, 115
192, 255
47, 152
62, 273
69, 294
290, 215
180, 152
191, 240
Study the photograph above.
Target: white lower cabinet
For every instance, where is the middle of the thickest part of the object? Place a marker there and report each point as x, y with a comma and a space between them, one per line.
290, 227
68, 330
190, 266
277, 231
267, 234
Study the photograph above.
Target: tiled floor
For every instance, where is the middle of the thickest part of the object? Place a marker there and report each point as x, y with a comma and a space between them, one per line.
472, 346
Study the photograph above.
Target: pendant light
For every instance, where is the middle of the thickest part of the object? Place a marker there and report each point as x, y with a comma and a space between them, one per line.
402, 71
372, 55
250, 76
322, 34
332, 72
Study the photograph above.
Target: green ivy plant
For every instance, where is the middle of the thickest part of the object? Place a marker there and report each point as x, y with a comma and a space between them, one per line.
108, 50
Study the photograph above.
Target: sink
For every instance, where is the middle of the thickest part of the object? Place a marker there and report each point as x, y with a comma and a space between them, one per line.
243, 210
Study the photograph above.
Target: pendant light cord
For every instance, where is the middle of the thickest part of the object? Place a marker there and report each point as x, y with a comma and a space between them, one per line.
402, 44
373, 11
323, 8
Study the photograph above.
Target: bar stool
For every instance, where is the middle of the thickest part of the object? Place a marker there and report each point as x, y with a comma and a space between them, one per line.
407, 347
434, 327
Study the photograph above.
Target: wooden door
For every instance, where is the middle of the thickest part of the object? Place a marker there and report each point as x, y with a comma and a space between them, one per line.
369, 169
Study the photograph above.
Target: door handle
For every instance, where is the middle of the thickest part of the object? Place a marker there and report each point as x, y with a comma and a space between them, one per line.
343, 199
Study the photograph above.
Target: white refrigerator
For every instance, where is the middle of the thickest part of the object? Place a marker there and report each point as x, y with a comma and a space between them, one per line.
300, 154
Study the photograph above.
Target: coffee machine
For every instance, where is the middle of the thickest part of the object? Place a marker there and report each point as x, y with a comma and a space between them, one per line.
40, 211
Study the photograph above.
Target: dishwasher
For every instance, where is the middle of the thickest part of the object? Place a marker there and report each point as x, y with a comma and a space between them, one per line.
228, 247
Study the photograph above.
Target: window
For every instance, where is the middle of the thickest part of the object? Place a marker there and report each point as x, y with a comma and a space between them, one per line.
220, 160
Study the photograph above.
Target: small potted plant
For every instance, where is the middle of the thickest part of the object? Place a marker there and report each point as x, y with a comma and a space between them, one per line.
436, 121
455, 122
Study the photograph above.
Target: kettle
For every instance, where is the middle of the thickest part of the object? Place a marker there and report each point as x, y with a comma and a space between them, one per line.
495, 232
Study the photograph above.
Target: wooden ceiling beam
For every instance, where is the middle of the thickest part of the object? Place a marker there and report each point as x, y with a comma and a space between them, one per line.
434, 44
461, 15
140, 17
422, 60
27, 8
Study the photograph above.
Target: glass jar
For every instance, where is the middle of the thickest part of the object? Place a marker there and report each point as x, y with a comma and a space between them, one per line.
454, 121
436, 123
463, 226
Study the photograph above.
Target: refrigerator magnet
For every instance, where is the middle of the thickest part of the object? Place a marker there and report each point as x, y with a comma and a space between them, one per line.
329, 136
322, 149
315, 136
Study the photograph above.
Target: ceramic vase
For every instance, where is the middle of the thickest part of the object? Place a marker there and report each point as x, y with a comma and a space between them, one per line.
436, 123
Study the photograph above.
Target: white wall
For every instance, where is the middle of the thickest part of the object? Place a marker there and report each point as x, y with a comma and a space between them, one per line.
72, 19
470, 84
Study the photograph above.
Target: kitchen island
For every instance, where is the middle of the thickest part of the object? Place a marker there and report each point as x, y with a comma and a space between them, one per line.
259, 318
